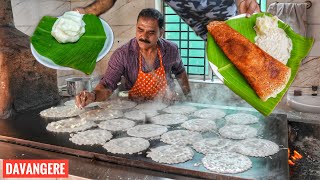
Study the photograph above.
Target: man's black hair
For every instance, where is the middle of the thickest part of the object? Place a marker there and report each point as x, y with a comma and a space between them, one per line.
152, 13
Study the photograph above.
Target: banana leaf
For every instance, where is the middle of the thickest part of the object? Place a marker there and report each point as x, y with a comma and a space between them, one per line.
81, 55
233, 78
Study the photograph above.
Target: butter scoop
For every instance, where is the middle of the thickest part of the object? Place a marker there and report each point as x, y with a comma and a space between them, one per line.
69, 27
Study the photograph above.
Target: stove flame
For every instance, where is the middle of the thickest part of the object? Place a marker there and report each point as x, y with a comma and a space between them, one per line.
293, 158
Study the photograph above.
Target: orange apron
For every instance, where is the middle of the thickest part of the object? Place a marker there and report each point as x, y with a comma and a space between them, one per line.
149, 85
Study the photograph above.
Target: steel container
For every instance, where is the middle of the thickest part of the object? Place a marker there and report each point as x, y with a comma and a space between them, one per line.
77, 84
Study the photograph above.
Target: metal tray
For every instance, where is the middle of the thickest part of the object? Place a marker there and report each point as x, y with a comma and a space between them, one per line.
30, 129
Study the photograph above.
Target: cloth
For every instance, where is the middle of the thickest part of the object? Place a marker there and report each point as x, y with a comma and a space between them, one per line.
149, 85
198, 13
124, 62
293, 14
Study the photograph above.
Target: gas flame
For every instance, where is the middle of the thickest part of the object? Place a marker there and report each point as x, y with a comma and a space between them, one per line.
293, 158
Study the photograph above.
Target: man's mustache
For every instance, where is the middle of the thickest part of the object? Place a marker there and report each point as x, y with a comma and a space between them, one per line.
144, 40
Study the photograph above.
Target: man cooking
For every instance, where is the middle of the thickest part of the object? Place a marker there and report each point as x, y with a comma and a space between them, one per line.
146, 62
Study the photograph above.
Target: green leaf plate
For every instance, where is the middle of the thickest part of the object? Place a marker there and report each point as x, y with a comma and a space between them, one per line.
232, 77
81, 55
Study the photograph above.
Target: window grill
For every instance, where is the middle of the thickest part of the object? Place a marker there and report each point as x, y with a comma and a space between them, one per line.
191, 47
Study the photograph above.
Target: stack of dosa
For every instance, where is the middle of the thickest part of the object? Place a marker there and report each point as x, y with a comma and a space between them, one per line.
266, 75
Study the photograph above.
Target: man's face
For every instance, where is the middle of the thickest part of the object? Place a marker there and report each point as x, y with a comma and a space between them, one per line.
147, 32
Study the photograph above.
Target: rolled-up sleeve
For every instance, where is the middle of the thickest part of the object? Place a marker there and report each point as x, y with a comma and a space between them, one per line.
177, 67
114, 70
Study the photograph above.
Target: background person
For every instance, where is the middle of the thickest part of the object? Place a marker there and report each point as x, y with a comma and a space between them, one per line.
197, 14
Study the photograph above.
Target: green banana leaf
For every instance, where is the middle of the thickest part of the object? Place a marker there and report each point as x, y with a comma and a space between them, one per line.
81, 55
232, 77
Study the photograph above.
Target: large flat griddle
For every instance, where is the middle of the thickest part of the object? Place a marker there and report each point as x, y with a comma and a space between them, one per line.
30, 129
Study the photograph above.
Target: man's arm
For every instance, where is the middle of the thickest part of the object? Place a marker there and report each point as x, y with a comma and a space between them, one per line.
107, 84
100, 93
184, 84
180, 73
97, 8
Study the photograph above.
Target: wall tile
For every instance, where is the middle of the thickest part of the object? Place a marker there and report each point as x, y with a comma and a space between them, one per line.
25, 12
80, 3
150, 3
64, 72
122, 34
28, 30
309, 73
124, 12
314, 31
53, 7
102, 65
313, 12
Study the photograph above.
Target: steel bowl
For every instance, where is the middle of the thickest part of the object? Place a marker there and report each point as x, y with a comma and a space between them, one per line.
77, 84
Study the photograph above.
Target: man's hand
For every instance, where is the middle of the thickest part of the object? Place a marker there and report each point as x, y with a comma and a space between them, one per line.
170, 97
80, 10
189, 97
184, 84
97, 8
84, 98
248, 7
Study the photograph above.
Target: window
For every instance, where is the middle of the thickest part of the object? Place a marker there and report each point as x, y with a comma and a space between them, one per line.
263, 5
192, 47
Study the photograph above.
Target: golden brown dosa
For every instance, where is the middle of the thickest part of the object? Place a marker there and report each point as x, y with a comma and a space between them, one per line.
266, 75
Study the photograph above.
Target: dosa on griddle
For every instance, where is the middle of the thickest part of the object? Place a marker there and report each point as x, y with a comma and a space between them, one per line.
266, 75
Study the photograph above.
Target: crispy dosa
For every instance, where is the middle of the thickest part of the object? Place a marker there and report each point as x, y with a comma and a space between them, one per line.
266, 75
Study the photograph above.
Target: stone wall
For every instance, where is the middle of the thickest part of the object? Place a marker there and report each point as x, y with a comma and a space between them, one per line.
24, 84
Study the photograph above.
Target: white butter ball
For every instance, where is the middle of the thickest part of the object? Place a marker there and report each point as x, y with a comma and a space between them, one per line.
272, 39
69, 27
